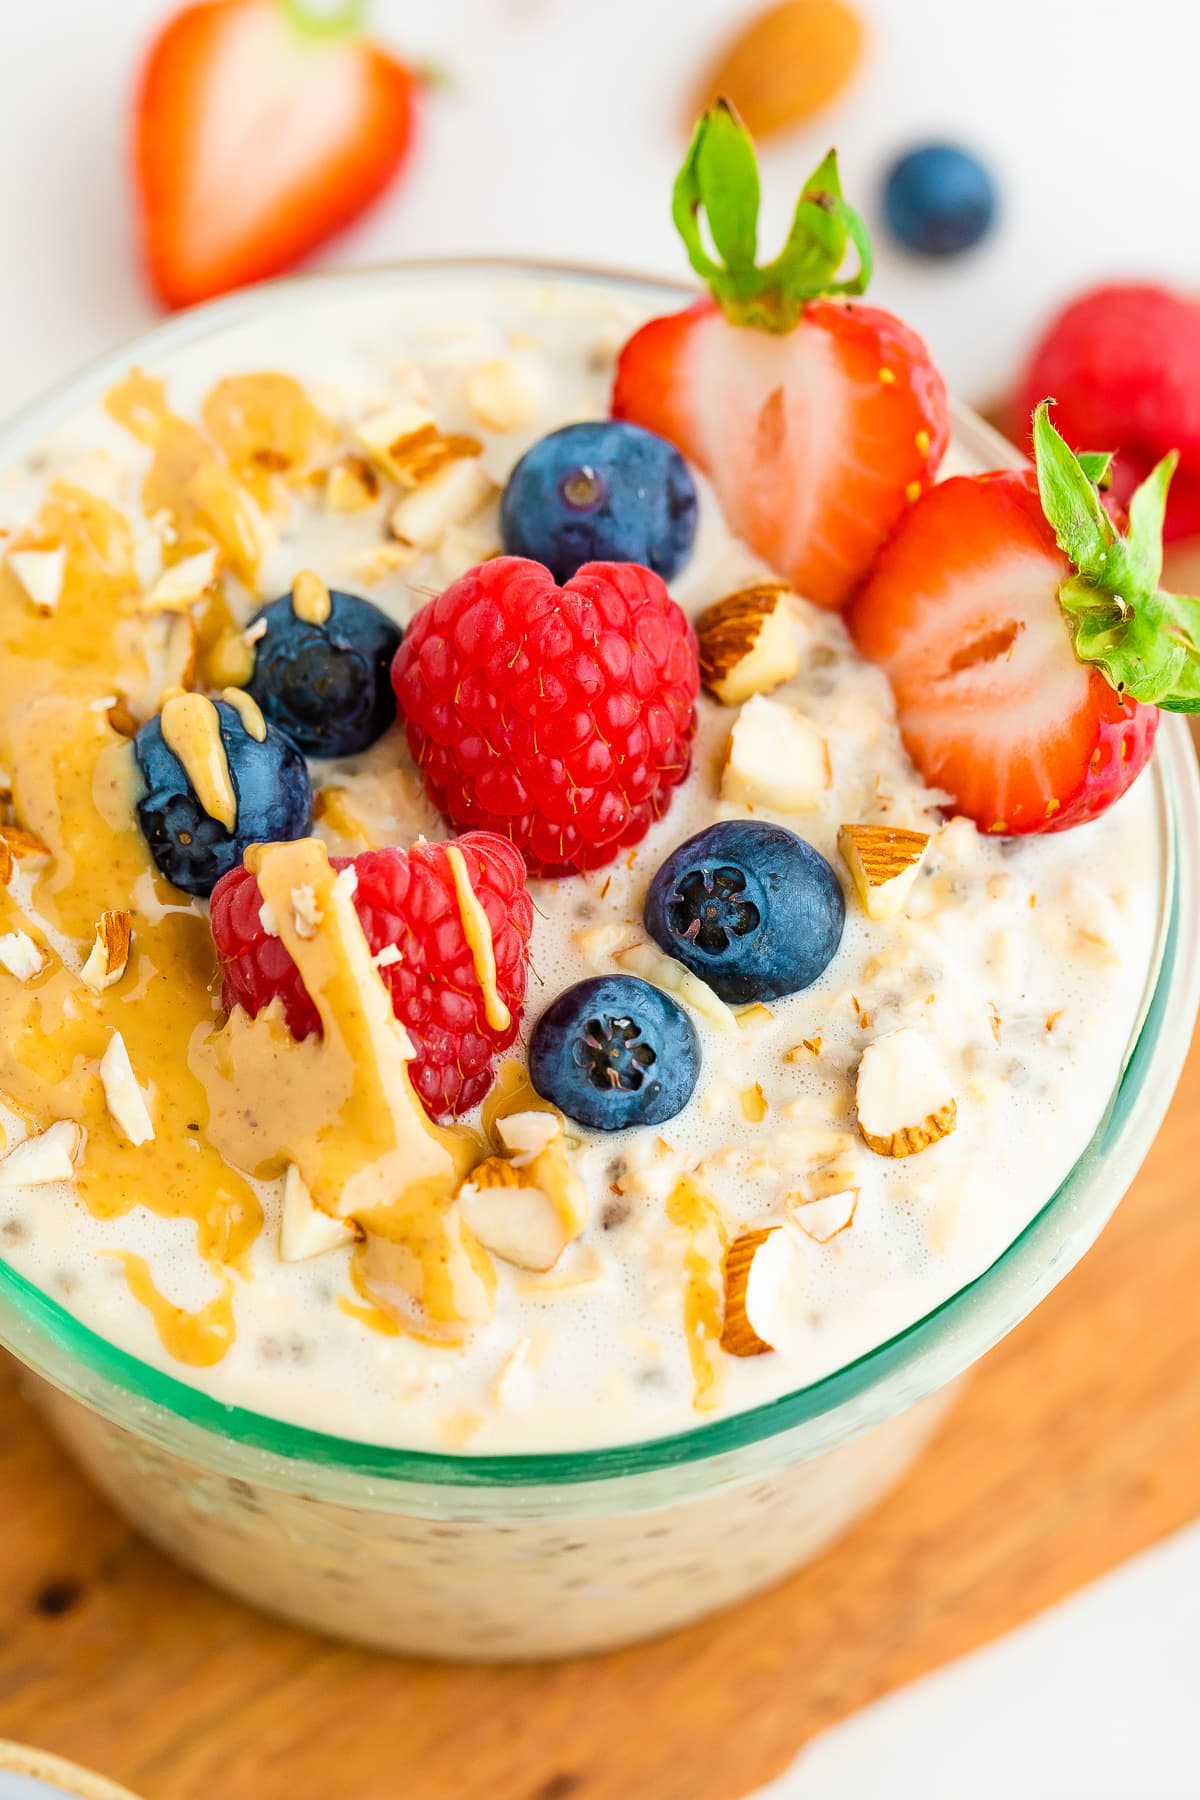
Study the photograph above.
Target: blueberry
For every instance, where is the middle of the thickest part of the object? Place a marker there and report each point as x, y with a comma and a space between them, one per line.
750, 908
602, 492
328, 685
274, 802
613, 1052
939, 199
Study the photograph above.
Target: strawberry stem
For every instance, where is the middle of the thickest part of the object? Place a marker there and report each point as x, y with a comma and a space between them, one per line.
334, 19
719, 178
1144, 641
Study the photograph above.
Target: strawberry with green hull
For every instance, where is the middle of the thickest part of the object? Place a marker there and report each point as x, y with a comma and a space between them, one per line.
817, 420
1026, 639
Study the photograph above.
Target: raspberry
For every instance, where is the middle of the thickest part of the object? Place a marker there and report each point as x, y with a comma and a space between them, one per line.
558, 717
1123, 365
406, 899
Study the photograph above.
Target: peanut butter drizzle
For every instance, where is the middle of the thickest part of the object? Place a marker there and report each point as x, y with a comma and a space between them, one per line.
248, 711
478, 932
76, 786
342, 1108
191, 727
311, 600
200, 1338
268, 429
695, 1211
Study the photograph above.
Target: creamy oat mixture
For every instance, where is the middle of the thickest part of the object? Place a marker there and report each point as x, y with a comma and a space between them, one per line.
1023, 964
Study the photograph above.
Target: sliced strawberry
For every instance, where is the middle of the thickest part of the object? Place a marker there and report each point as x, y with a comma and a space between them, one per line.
994, 706
257, 138
815, 439
817, 421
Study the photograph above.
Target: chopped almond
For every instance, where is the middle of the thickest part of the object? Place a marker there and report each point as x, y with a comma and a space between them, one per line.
527, 1207
36, 1161
904, 1098
184, 584
20, 955
125, 1100
109, 956
758, 1265
884, 863
42, 574
304, 1230
822, 1217
747, 643
24, 846
405, 442
776, 758
351, 486
451, 497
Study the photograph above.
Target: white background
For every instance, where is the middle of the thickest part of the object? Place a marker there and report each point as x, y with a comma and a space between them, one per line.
560, 127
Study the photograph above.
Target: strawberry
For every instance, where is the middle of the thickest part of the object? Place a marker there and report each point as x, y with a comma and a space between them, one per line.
260, 132
1026, 639
1123, 362
817, 421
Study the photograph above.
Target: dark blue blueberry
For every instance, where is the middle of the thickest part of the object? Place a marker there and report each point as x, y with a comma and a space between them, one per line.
274, 802
939, 199
613, 1052
750, 908
328, 686
602, 492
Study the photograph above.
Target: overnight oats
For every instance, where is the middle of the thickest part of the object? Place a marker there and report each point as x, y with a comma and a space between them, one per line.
573, 873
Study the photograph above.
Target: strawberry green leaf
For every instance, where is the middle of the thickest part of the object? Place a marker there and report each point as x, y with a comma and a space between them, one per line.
336, 19
718, 185
1144, 641
1097, 466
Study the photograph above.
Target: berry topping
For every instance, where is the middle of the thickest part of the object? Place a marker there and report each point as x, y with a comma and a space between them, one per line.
613, 1052
458, 1013
1027, 641
560, 717
314, 123
321, 669
751, 908
603, 492
213, 787
1123, 363
818, 426
939, 199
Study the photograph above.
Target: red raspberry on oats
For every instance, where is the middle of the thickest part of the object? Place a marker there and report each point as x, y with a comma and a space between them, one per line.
407, 903
559, 717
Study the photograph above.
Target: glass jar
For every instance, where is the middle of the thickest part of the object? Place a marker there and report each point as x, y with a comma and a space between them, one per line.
514, 1557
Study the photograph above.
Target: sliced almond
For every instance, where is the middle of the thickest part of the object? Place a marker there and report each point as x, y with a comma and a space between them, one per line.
904, 1097
20, 955
406, 443
109, 955
351, 486
304, 1230
500, 396
884, 863
36, 1161
758, 1267
776, 758
184, 584
747, 643
526, 1209
665, 972
449, 498
124, 1098
526, 1134
822, 1217
42, 574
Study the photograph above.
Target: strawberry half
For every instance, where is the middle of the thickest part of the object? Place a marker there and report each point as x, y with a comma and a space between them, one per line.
818, 421
1026, 640
260, 132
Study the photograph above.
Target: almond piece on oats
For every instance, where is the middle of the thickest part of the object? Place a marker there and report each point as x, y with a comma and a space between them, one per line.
21, 847
526, 1208
822, 1217
673, 977
351, 486
757, 1269
20, 955
526, 1134
407, 444
776, 758
109, 955
124, 1098
884, 863
36, 1161
747, 643
904, 1098
42, 574
304, 1230
451, 497
500, 396
184, 584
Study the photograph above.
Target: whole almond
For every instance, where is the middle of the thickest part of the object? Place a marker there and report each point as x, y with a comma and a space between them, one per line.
785, 65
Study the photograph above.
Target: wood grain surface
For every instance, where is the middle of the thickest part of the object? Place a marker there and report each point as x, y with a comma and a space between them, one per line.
1074, 1445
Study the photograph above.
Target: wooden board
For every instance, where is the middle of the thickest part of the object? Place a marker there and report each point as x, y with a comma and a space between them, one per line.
1074, 1446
